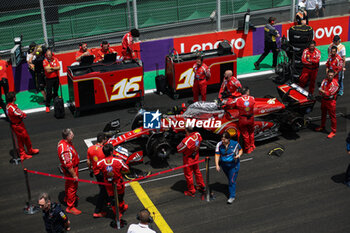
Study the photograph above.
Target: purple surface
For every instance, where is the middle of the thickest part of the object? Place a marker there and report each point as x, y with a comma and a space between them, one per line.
258, 39
22, 78
349, 31
154, 52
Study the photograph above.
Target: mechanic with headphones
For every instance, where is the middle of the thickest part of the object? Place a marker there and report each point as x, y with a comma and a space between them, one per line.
145, 218
270, 42
201, 75
83, 51
105, 49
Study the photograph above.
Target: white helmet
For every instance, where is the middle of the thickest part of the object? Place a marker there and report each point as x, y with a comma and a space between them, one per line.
301, 5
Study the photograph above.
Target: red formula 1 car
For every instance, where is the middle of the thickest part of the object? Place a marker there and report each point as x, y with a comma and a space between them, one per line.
211, 121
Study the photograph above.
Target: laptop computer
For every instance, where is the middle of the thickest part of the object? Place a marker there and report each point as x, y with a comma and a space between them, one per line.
87, 60
110, 57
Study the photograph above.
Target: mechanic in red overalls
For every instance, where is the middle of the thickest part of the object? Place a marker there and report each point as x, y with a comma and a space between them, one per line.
189, 146
94, 155
128, 45
105, 49
328, 91
201, 75
334, 62
112, 169
16, 117
245, 105
69, 159
230, 87
311, 61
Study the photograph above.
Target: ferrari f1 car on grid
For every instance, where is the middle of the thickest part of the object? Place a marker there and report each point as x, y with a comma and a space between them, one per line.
269, 112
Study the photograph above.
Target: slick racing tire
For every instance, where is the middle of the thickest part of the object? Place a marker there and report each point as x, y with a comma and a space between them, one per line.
157, 147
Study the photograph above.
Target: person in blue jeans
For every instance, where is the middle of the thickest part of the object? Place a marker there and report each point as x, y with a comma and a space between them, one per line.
227, 154
347, 174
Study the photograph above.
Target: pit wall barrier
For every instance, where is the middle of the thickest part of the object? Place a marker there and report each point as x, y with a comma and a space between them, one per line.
153, 52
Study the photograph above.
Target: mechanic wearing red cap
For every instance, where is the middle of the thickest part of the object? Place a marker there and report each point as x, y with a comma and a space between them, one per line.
69, 159
201, 75
128, 44
311, 60
95, 154
51, 66
105, 49
230, 87
335, 63
328, 91
245, 105
189, 146
83, 51
16, 117
112, 170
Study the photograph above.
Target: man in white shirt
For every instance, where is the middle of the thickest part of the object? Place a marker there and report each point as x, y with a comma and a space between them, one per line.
341, 51
313, 7
144, 216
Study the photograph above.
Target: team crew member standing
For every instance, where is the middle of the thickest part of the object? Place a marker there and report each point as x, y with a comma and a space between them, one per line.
105, 49
201, 75
95, 154
112, 169
144, 216
311, 60
328, 91
83, 51
4, 86
52, 67
128, 44
189, 146
39, 72
69, 159
16, 117
270, 43
230, 86
227, 154
245, 105
335, 63
55, 219
341, 51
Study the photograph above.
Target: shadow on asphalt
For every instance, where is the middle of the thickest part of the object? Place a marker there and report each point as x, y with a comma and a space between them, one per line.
179, 186
339, 178
219, 187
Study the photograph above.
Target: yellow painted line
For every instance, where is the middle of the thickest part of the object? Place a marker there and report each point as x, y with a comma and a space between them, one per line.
148, 204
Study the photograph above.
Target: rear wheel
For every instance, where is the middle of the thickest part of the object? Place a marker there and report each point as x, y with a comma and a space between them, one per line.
158, 148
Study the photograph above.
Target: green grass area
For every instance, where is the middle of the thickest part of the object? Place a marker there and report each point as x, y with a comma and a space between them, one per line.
30, 100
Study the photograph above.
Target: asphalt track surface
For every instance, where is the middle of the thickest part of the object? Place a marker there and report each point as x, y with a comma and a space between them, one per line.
301, 191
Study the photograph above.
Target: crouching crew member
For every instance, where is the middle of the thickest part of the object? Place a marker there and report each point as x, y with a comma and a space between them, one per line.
16, 117
112, 169
201, 75
189, 146
94, 155
311, 61
245, 105
69, 159
55, 219
128, 45
328, 91
105, 49
227, 154
230, 87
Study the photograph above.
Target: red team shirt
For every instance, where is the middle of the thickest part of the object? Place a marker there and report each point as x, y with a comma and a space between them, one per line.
3, 69
202, 72
67, 154
330, 88
15, 114
310, 59
54, 63
128, 46
95, 154
101, 53
245, 105
230, 85
189, 146
335, 63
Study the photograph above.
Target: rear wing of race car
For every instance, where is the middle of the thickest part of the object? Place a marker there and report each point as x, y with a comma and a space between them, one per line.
296, 98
